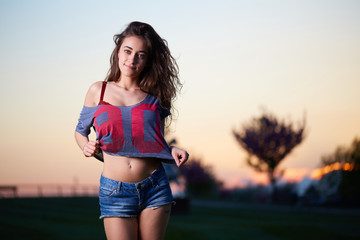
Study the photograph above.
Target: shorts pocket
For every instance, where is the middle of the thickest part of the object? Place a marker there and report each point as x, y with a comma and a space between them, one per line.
162, 182
106, 192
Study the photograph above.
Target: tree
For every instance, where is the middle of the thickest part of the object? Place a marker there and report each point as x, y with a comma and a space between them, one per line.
344, 154
348, 158
200, 180
268, 141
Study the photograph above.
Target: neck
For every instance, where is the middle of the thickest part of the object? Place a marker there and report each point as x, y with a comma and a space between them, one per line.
127, 83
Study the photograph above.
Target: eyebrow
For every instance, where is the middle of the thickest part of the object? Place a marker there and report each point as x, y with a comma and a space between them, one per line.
132, 49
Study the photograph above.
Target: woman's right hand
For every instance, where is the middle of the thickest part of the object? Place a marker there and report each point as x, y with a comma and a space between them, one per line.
90, 148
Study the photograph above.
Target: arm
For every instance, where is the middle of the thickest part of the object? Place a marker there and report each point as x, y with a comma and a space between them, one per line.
89, 147
180, 156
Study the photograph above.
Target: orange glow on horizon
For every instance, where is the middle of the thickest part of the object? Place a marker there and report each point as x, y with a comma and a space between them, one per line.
320, 172
254, 178
295, 175
291, 175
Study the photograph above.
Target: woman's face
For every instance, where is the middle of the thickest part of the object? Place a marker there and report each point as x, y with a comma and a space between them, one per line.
133, 56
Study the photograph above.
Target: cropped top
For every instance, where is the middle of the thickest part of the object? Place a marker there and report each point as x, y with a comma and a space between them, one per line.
131, 131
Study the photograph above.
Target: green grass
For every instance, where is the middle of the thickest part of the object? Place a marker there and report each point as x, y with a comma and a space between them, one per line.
77, 218
262, 223
50, 218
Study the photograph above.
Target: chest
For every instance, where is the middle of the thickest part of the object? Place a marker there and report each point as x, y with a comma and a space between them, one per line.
142, 119
119, 97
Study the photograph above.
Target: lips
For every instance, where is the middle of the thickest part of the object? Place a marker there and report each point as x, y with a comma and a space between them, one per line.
130, 67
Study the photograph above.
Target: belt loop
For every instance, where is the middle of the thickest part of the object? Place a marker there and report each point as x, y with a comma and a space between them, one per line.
119, 187
153, 182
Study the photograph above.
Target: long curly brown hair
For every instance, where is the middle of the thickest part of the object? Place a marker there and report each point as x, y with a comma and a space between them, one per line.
160, 77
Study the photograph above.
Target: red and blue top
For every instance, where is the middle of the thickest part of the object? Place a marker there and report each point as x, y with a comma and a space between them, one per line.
131, 131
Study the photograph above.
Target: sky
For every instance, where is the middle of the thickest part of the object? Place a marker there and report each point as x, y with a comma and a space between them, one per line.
295, 58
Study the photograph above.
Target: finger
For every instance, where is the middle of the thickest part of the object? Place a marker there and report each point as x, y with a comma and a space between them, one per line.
181, 160
87, 153
92, 143
90, 148
184, 158
177, 160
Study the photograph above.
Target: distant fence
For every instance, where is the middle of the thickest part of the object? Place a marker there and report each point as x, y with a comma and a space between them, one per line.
47, 190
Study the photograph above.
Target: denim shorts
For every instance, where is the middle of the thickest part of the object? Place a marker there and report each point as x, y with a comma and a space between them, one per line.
120, 199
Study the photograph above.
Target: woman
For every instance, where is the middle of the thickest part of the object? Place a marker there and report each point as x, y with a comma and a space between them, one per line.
127, 111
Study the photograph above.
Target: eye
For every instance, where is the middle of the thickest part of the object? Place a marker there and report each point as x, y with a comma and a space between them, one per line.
141, 56
127, 51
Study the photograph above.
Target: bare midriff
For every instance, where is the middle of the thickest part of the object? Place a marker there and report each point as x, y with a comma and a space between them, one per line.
127, 169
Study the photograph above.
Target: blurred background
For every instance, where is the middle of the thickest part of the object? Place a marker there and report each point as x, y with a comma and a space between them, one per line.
299, 60
269, 113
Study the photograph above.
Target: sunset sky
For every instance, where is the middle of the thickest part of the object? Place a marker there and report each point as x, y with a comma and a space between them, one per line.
294, 58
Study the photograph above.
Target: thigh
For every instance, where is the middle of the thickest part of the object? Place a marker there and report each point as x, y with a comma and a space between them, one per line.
117, 228
153, 222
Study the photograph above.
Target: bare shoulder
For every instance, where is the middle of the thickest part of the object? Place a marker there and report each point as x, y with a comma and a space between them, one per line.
93, 95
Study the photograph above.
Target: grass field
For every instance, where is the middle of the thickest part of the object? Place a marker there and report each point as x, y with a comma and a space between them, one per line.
77, 218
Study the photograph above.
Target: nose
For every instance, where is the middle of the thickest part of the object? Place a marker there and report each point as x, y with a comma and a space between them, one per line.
133, 58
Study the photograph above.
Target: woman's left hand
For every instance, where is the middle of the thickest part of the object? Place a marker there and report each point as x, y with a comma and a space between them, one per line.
180, 156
